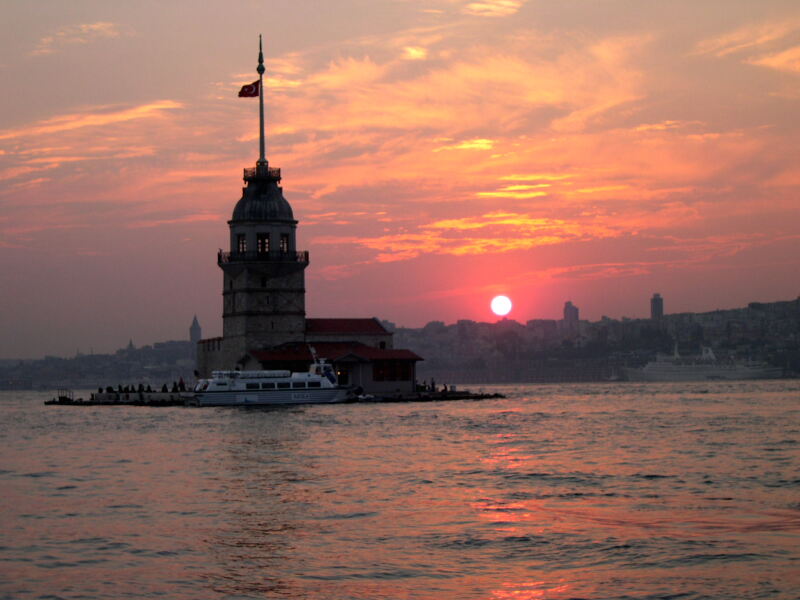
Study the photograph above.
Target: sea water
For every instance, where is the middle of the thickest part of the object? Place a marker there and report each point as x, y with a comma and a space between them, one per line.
557, 491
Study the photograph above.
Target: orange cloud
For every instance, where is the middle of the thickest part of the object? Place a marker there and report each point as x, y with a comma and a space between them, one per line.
415, 53
602, 188
96, 118
489, 87
476, 144
347, 72
501, 232
746, 38
106, 155
787, 60
276, 82
536, 177
76, 34
666, 125
193, 218
516, 221
15, 172
493, 8
507, 193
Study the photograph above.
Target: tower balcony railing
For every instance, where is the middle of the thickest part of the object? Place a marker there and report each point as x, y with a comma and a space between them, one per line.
270, 172
224, 258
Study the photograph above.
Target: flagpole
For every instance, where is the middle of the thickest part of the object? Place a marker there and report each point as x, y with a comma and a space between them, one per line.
262, 160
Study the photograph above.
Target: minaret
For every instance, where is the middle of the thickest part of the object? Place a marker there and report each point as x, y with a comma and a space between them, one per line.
195, 334
263, 273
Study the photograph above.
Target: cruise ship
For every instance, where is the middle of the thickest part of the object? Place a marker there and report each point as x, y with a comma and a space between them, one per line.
705, 367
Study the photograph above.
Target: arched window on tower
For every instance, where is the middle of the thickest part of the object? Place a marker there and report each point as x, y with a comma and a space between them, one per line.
284, 242
241, 243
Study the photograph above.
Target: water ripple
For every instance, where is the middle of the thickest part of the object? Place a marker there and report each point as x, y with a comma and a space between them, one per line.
602, 491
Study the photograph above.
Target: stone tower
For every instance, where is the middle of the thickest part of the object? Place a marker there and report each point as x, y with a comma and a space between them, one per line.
263, 294
263, 273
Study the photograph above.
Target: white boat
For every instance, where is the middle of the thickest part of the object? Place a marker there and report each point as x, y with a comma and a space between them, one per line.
700, 368
252, 388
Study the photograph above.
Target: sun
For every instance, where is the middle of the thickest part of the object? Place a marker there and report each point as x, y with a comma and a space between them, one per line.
501, 305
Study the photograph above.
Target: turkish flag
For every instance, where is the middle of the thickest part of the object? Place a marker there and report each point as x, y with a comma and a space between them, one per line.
250, 90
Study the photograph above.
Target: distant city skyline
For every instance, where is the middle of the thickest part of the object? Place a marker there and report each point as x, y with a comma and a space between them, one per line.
570, 317
436, 154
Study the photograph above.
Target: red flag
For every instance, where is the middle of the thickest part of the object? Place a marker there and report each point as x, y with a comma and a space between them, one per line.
251, 90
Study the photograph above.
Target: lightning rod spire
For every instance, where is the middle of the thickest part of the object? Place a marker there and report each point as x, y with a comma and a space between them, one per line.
262, 160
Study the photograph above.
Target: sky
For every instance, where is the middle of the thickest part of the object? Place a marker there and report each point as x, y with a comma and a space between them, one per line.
436, 153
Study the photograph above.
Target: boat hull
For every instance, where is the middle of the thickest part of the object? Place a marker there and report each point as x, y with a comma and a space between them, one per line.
268, 397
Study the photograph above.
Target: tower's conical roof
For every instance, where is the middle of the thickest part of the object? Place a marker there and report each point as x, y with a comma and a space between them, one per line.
262, 199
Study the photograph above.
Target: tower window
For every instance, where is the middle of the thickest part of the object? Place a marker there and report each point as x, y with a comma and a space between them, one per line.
284, 242
263, 282
241, 242
262, 243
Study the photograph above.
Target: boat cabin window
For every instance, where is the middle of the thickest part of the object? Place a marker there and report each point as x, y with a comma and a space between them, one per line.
282, 385
252, 386
221, 383
268, 386
314, 384
298, 384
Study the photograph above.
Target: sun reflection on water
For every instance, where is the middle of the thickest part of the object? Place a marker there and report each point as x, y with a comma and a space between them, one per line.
530, 590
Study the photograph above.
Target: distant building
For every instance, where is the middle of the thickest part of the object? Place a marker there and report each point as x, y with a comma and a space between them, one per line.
656, 307
264, 322
571, 318
195, 335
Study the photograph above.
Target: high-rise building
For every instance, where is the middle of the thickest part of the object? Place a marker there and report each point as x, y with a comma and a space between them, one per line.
571, 318
656, 307
570, 312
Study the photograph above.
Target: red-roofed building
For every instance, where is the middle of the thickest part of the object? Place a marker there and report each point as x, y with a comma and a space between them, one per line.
375, 370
